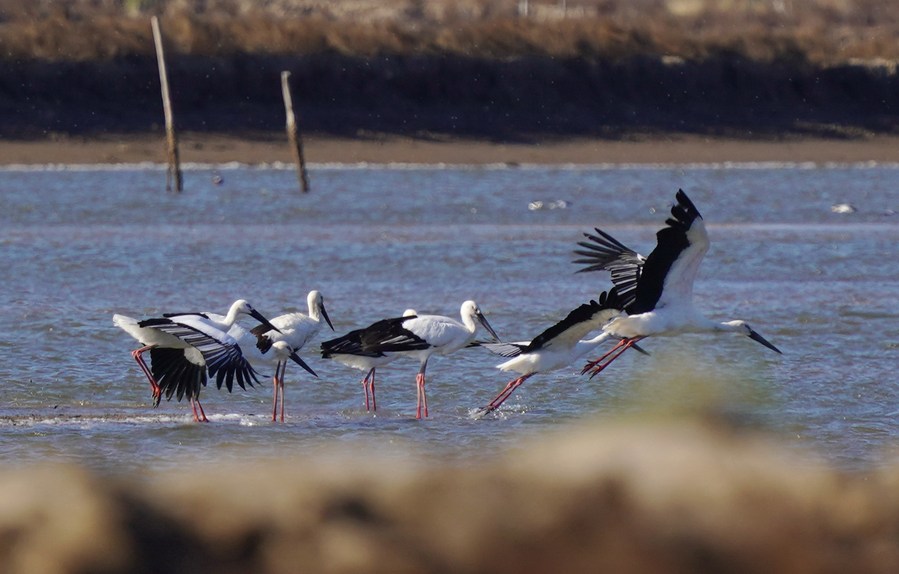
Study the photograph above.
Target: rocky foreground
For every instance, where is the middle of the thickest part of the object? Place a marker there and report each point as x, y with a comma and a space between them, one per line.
664, 496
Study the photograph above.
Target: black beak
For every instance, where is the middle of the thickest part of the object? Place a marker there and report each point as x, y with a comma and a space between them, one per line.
325, 315
258, 316
759, 339
296, 359
483, 320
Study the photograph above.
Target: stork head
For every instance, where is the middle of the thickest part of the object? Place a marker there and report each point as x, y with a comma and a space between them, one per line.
317, 307
743, 328
471, 309
243, 307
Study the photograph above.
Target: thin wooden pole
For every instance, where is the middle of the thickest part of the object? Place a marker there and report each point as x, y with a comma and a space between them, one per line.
293, 133
523, 8
173, 173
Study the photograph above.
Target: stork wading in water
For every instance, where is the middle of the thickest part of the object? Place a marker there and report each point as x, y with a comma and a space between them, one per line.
264, 347
350, 350
657, 291
296, 330
183, 346
556, 347
421, 336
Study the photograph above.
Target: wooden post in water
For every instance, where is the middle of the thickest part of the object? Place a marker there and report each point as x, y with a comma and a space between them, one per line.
293, 135
174, 170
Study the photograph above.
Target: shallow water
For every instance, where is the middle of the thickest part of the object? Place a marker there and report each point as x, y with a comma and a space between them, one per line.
82, 243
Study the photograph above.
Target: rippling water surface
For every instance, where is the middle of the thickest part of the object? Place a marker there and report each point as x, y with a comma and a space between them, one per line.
79, 244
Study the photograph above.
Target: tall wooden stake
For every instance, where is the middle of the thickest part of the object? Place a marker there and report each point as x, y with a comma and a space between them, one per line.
174, 170
293, 135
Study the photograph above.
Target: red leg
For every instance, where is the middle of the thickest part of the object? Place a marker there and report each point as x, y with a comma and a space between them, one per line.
422, 396
199, 415
504, 394
591, 364
275, 394
154, 386
371, 386
281, 388
365, 388
597, 366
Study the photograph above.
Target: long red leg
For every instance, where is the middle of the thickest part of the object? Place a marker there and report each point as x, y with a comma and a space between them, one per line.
275, 393
278, 390
591, 364
196, 406
422, 396
154, 386
371, 386
365, 388
597, 366
281, 388
504, 394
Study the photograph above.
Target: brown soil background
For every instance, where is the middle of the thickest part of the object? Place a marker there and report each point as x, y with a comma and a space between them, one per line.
670, 148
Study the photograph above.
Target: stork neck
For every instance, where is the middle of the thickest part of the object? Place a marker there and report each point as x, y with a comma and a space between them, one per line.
469, 322
231, 317
728, 326
312, 302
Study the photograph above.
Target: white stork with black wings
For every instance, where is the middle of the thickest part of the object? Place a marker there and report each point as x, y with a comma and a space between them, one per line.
294, 329
350, 349
657, 291
556, 347
421, 336
183, 346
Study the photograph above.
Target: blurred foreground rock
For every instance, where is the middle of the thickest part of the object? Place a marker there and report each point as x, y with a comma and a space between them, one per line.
626, 497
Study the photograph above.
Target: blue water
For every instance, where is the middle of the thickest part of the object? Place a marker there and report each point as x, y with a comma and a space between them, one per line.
79, 244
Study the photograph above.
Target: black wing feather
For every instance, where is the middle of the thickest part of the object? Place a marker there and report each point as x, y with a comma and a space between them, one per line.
581, 314
196, 313
384, 336
507, 350
349, 344
263, 343
176, 375
640, 280
222, 359
671, 241
605, 253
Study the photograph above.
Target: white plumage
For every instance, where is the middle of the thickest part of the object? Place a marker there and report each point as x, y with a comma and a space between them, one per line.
292, 329
349, 350
657, 291
200, 342
556, 347
421, 336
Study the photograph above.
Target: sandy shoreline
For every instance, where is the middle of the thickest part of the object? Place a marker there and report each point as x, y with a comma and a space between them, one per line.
267, 148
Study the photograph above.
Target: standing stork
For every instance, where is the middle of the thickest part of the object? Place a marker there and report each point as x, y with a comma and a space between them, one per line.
425, 335
350, 350
281, 351
294, 329
183, 346
657, 291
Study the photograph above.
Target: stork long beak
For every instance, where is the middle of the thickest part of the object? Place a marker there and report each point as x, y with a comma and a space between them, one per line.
258, 316
483, 321
327, 319
296, 359
759, 339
